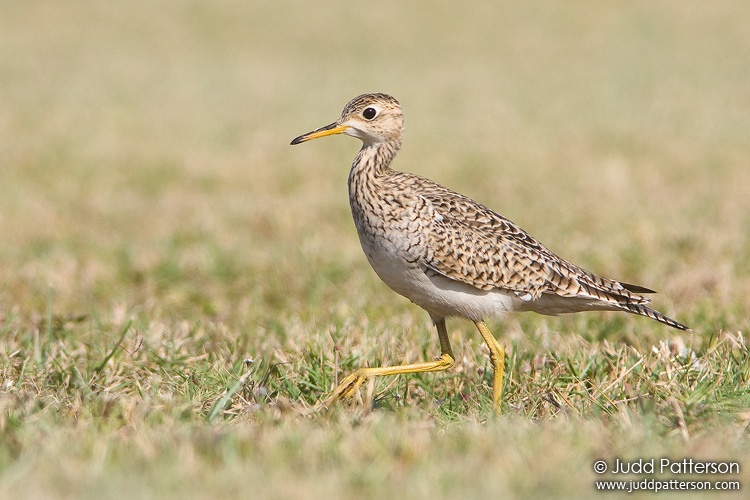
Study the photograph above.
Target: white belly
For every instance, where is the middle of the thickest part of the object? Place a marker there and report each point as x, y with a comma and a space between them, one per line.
438, 295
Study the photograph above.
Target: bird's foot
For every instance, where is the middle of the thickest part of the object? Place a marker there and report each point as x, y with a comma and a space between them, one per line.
348, 387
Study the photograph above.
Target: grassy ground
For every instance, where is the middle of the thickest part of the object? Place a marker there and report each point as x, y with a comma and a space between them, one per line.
180, 287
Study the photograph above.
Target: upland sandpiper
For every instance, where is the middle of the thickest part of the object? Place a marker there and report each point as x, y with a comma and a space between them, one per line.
450, 255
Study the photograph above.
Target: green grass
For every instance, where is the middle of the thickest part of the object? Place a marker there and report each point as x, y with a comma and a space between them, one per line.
180, 287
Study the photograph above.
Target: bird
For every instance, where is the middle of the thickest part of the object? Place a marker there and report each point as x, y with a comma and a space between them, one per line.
453, 256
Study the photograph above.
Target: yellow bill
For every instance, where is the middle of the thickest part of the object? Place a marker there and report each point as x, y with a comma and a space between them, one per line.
332, 129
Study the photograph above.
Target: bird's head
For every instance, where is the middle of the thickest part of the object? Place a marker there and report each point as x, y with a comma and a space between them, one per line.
372, 118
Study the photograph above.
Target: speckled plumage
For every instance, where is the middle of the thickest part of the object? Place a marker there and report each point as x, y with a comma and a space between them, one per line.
449, 254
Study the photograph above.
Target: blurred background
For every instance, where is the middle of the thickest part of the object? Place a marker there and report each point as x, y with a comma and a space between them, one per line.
146, 165
157, 230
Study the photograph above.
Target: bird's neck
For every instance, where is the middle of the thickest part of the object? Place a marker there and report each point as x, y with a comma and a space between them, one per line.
371, 164
372, 161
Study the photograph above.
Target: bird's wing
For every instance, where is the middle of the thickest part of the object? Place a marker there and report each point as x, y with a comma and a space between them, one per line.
470, 243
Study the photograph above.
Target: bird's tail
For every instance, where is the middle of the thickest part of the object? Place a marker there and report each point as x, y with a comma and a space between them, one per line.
653, 314
626, 297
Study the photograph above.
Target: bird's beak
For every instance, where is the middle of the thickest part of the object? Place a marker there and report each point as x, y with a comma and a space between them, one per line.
332, 129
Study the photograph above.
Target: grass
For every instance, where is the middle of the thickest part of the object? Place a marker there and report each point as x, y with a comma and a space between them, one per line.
180, 287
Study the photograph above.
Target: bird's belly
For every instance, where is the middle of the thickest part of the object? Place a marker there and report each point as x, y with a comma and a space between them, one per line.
440, 296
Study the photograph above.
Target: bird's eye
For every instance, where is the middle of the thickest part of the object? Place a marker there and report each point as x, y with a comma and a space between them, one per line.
369, 113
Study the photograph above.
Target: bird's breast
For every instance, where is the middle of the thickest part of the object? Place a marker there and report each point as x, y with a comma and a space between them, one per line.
395, 246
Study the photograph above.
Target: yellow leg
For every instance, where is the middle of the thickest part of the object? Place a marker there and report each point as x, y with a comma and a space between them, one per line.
497, 356
349, 386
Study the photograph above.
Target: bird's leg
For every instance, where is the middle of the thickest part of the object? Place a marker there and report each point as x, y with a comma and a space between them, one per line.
497, 356
349, 386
